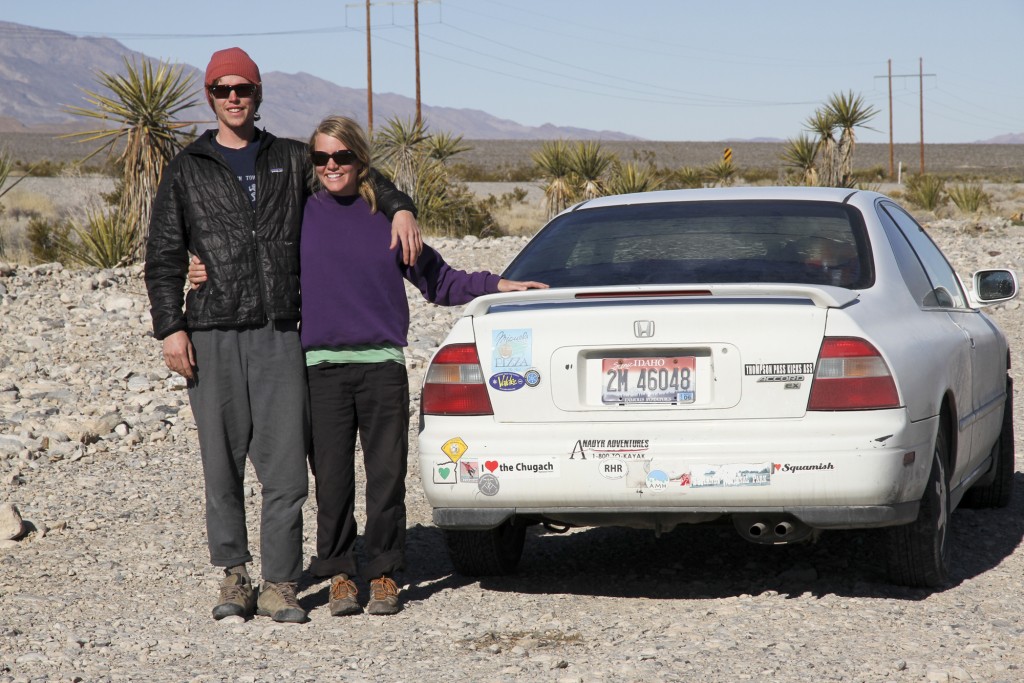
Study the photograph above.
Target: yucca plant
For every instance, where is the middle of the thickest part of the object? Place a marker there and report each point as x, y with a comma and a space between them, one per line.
555, 163
443, 146
822, 124
417, 163
688, 177
926, 191
143, 107
800, 153
970, 198
847, 112
589, 163
721, 172
106, 240
632, 177
398, 146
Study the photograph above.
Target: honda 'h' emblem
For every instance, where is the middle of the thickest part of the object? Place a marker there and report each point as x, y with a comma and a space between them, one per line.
643, 328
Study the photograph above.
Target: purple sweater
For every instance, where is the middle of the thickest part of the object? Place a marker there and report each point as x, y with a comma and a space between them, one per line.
352, 284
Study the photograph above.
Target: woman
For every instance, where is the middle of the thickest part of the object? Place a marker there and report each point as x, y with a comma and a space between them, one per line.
355, 320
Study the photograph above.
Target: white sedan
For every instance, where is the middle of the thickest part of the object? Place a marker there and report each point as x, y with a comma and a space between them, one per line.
793, 359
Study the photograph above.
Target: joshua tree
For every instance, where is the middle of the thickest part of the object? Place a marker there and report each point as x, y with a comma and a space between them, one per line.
554, 160
142, 106
800, 153
847, 111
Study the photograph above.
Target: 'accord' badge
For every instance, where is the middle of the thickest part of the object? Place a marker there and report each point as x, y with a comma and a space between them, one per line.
643, 328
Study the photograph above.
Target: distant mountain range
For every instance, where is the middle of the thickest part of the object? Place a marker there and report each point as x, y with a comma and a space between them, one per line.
41, 71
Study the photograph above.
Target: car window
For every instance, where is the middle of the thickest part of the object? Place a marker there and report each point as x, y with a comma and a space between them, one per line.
943, 289
700, 242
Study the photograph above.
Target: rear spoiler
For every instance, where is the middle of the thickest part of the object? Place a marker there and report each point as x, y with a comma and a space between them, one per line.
822, 296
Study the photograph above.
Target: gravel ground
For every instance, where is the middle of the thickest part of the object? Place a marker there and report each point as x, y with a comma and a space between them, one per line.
111, 583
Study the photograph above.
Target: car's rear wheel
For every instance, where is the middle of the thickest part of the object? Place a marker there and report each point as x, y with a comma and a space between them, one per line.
919, 552
996, 494
490, 552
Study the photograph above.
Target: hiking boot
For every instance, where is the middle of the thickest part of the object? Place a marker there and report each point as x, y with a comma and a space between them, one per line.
277, 601
237, 597
343, 597
383, 597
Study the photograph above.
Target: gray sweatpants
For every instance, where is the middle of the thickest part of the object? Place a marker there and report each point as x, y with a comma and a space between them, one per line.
250, 398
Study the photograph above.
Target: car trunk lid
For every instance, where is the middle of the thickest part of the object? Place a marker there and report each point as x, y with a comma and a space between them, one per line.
687, 353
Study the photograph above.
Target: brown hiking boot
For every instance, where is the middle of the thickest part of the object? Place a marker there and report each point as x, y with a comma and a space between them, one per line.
383, 597
343, 597
237, 597
277, 601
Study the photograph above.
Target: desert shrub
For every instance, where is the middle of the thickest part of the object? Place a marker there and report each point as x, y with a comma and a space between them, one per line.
926, 191
754, 176
45, 237
970, 197
461, 214
506, 200
874, 174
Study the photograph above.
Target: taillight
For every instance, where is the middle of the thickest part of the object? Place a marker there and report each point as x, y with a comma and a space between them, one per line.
455, 383
851, 375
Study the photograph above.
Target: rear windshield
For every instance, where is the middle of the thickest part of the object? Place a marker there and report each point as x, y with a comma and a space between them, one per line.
716, 242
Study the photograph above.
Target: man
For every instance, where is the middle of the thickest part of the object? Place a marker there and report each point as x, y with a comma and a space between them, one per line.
234, 198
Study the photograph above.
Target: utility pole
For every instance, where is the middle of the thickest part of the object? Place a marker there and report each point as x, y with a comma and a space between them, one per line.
891, 168
416, 21
369, 76
369, 57
920, 83
920, 80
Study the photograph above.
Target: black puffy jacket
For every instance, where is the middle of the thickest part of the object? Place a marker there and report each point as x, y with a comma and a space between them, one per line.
251, 256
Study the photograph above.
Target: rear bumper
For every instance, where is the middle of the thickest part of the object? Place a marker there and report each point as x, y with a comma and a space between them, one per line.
827, 470
817, 517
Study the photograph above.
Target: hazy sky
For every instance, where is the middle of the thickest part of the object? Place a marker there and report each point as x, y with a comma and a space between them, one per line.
660, 70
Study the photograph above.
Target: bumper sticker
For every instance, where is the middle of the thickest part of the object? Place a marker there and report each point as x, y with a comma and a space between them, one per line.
454, 448
488, 484
446, 473
507, 381
522, 467
511, 350
469, 470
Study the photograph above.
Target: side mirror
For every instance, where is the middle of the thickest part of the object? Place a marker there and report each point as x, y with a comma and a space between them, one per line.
994, 286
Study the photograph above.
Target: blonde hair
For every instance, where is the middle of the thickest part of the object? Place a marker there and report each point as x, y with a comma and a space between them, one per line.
350, 134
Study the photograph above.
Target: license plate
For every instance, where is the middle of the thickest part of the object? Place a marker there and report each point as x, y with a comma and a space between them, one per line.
669, 379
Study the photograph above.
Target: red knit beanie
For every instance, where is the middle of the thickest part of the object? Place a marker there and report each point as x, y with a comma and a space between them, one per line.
232, 62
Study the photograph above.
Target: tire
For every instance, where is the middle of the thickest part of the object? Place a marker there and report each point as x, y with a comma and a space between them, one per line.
491, 552
919, 553
996, 494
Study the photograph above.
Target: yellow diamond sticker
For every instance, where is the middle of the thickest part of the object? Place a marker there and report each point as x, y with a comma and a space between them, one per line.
455, 448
